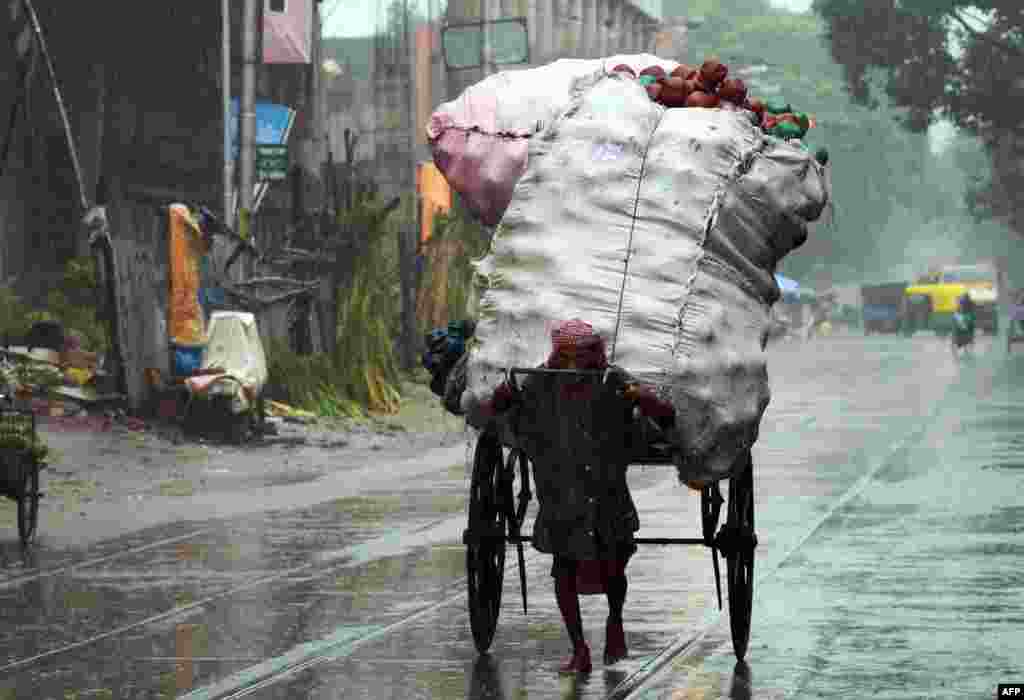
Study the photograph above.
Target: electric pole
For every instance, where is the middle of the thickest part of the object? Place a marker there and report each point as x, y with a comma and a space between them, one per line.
406, 248
229, 156
247, 127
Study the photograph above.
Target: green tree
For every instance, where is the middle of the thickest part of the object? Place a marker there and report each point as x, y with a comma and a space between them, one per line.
877, 168
959, 59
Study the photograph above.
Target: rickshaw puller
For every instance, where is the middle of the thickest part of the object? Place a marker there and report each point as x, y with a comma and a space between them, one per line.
587, 518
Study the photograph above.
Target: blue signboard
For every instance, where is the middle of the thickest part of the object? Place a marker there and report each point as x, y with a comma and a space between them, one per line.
790, 288
273, 123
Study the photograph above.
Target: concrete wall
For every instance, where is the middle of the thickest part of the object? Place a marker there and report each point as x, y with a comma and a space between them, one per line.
141, 250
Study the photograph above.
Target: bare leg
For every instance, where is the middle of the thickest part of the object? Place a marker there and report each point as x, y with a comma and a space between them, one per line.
617, 586
615, 637
569, 605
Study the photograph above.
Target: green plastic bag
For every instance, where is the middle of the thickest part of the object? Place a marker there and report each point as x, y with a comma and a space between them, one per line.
820, 153
777, 106
787, 130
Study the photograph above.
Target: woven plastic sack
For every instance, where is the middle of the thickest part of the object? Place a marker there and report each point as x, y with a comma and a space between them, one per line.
661, 228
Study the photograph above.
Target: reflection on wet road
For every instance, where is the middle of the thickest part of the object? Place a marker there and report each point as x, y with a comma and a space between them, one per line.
888, 483
913, 587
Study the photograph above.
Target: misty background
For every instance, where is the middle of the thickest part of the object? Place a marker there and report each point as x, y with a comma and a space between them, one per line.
901, 199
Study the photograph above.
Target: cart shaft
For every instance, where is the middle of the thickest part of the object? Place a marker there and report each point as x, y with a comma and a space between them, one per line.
639, 540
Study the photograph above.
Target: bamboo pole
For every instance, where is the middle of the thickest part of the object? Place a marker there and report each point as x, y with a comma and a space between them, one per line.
68, 135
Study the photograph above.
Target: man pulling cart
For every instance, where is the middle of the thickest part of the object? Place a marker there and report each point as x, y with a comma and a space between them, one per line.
656, 230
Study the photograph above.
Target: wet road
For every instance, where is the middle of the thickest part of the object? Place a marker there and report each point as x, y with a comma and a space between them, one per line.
887, 481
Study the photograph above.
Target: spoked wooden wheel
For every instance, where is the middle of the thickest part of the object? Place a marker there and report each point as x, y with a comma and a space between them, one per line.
739, 543
485, 541
28, 501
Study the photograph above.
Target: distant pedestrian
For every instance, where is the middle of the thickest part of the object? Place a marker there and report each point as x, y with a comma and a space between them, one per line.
964, 321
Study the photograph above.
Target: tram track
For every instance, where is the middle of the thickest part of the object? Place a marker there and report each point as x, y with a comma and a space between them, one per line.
694, 643
68, 568
268, 673
350, 556
699, 642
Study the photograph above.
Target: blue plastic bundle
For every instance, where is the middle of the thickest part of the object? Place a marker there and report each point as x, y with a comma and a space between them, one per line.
444, 348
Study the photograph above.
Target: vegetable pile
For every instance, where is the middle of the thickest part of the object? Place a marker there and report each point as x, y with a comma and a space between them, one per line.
710, 86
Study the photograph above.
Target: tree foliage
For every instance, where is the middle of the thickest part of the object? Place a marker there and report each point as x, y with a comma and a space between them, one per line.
959, 59
877, 168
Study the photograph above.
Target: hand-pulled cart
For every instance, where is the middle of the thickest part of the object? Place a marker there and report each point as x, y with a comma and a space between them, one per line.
623, 200
496, 514
19, 468
1015, 330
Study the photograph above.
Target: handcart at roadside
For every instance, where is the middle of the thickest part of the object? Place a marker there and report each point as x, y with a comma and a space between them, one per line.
20, 463
1015, 327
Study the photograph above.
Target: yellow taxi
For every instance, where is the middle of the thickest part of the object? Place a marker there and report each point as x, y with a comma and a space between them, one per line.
938, 294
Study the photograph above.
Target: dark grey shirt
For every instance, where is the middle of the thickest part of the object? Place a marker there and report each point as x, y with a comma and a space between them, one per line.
580, 450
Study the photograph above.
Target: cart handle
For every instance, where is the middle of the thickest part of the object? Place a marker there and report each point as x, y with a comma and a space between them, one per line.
511, 373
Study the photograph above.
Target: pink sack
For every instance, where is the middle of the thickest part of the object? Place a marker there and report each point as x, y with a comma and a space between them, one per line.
483, 167
480, 140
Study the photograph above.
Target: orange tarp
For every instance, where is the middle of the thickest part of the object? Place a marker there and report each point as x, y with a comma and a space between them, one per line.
185, 323
436, 196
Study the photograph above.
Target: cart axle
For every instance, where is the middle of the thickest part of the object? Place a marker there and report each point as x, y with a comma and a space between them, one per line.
472, 537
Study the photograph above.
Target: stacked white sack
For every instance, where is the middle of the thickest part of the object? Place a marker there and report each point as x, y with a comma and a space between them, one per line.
680, 216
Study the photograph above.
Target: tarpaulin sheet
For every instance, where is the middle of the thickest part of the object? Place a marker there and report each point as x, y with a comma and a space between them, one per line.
185, 323
660, 227
235, 347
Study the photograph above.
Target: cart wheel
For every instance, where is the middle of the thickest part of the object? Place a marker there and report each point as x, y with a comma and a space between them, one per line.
740, 557
485, 541
28, 502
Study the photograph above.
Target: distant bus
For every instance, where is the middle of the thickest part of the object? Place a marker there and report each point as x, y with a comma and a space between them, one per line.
882, 307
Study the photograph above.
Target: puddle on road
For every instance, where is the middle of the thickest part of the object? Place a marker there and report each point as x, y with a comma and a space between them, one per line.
191, 454
999, 521
458, 471
374, 576
443, 685
367, 510
444, 504
71, 488
442, 563
1011, 466
8, 514
180, 488
82, 600
545, 631
300, 477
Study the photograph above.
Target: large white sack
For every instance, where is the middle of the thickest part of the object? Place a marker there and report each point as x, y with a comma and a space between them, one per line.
661, 228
